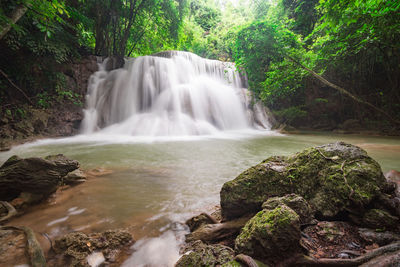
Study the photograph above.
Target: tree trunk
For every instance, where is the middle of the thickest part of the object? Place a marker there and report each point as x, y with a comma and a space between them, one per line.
15, 15
344, 91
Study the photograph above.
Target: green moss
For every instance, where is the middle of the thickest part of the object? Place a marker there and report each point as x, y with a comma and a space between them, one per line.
275, 230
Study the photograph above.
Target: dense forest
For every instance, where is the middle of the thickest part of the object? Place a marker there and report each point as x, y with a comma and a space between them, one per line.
316, 64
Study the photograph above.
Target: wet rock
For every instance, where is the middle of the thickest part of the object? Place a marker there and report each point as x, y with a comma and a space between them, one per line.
77, 248
200, 254
270, 234
295, 202
12, 248
333, 178
26, 199
33, 175
75, 177
199, 220
4, 146
380, 219
380, 238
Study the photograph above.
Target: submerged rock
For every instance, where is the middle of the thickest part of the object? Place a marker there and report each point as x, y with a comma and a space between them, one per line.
270, 234
33, 175
333, 178
78, 248
200, 254
13, 248
75, 177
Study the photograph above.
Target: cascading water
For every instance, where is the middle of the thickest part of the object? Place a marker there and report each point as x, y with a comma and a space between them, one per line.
169, 94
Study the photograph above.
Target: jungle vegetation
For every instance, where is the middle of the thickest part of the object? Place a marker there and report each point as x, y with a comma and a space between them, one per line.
313, 62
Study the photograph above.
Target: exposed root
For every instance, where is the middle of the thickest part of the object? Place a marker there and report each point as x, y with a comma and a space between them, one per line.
308, 261
210, 217
246, 260
35, 252
11, 211
334, 158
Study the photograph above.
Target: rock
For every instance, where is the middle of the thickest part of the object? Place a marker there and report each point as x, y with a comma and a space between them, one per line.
75, 177
333, 178
80, 247
33, 175
199, 220
13, 248
295, 202
25, 199
4, 146
270, 234
380, 238
200, 254
380, 219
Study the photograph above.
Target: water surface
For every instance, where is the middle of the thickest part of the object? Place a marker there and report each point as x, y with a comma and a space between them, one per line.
155, 186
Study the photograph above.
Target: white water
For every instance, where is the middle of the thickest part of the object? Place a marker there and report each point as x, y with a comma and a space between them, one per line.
172, 94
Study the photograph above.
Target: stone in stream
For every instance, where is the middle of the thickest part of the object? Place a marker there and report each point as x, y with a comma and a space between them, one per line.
270, 234
333, 178
33, 175
13, 248
200, 254
78, 249
199, 220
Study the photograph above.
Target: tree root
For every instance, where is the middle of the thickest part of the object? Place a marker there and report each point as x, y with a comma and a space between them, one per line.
246, 260
35, 252
11, 211
308, 261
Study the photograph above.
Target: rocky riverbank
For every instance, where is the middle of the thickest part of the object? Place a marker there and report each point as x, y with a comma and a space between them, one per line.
325, 206
27, 182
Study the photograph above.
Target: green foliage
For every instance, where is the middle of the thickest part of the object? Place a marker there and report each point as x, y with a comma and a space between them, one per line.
291, 114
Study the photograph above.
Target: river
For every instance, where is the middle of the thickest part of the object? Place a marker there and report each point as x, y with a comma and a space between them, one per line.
151, 186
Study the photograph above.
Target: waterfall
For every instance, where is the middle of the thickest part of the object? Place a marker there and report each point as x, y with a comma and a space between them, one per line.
170, 93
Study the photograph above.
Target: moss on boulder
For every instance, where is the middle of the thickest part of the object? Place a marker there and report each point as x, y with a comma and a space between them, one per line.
297, 203
270, 234
332, 178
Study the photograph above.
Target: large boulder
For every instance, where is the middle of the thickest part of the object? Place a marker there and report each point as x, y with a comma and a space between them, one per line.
333, 178
270, 234
200, 254
33, 175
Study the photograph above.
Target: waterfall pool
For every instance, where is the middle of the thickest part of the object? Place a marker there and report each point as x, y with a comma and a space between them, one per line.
153, 185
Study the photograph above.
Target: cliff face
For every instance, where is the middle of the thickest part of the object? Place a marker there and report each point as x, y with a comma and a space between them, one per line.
51, 115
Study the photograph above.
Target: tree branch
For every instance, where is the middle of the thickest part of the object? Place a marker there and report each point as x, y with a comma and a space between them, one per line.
342, 90
15, 86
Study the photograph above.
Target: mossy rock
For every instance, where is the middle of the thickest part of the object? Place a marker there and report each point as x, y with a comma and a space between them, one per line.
200, 254
380, 219
332, 178
295, 202
77, 246
270, 234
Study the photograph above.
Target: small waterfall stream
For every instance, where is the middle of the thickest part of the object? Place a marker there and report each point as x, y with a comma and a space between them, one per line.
172, 93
